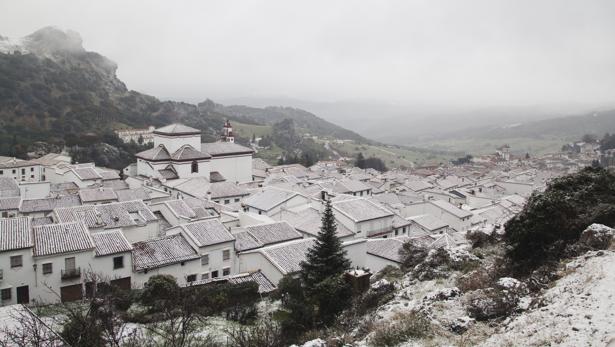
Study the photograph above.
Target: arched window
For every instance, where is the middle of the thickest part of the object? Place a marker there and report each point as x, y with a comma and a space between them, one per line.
195, 167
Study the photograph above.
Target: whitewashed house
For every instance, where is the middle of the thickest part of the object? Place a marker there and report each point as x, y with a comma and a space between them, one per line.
16, 276
112, 258
363, 217
308, 222
83, 175
63, 254
381, 253
8, 187
44, 207
262, 235
352, 187
270, 201
450, 214
168, 255
9, 207
426, 224
136, 220
22, 170
215, 246
95, 196
282, 259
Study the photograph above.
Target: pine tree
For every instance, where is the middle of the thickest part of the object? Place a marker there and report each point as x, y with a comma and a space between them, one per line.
326, 259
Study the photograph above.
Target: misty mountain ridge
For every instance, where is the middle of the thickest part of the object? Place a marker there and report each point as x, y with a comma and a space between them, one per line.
50, 86
417, 122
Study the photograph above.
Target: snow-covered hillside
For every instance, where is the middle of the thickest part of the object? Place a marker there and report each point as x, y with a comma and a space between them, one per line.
578, 311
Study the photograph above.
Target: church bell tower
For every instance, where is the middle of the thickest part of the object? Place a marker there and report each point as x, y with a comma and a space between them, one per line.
227, 132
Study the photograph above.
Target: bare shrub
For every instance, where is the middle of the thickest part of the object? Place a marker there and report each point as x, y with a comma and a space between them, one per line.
401, 328
473, 280
265, 333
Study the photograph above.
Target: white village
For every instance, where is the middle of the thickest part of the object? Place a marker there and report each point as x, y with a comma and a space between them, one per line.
206, 212
452, 184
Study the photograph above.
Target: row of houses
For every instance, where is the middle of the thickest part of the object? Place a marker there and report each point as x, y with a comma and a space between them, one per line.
208, 212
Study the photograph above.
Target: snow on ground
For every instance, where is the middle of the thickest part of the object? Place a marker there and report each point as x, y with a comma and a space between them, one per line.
579, 310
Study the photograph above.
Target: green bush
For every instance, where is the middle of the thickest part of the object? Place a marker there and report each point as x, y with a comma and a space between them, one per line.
553, 220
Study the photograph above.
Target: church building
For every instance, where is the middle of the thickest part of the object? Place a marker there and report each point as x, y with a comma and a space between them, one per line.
178, 153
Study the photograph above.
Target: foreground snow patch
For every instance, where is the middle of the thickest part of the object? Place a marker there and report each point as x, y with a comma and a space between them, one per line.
578, 311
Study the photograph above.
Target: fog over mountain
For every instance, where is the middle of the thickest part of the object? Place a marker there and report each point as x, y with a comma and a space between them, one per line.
430, 66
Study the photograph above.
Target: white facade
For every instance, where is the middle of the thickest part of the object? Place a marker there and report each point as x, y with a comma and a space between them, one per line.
136, 134
34, 190
16, 277
180, 271
236, 168
49, 287
457, 223
23, 171
374, 227
174, 142
213, 262
294, 202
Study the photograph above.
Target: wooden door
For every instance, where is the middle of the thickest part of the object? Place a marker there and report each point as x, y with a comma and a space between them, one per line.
71, 293
23, 295
122, 283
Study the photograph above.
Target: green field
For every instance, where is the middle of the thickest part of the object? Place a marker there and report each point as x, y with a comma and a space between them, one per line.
521, 145
270, 155
395, 156
247, 130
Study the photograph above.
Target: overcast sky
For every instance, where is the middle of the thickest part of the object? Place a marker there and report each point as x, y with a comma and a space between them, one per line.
477, 53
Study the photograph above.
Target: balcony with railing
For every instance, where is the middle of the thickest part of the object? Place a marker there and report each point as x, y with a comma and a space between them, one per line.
69, 274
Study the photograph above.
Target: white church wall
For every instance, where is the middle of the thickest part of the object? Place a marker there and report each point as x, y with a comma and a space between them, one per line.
173, 143
234, 168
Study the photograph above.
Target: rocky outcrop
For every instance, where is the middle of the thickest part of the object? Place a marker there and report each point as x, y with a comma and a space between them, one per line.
498, 301
439, 262
597, 236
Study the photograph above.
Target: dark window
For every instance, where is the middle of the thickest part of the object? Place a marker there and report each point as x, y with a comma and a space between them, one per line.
191, 278
1, 172
195, 166
205, 259
13, 170
16, 261
214, 274
227, 201
23, 171
31, 169
47, 268
236, 199
118, 262
6, 294
226, 254
226, 271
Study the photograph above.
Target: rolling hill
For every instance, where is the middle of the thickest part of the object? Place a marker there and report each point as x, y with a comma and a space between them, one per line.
53, 90
537, 137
